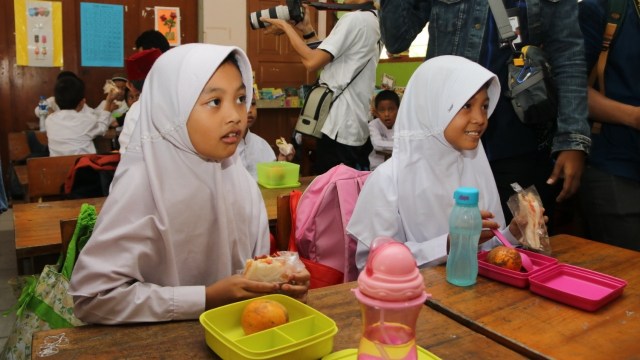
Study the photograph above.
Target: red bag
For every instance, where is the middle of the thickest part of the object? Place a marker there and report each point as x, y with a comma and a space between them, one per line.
321, 275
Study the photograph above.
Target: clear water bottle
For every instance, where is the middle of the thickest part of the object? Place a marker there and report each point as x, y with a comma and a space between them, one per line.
465, 225
43, 111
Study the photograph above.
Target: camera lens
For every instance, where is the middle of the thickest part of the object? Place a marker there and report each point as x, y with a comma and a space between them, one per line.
292, 11
276, 12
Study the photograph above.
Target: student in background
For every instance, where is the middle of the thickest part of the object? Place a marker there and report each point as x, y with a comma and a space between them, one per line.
611, 182
253, 149
119, 105
183, 214
436, 149
71, 130
152, 39
386, 105
51, 101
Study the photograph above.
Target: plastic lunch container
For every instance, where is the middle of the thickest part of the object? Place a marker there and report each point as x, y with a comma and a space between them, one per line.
308, 334
579, 287
511, 277
348, 354
278, 174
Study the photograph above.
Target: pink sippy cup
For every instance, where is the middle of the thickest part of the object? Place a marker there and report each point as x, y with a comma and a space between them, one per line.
391, 293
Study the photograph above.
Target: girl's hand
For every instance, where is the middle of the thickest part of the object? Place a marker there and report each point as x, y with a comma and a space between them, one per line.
235, 288
298, 285
487, 225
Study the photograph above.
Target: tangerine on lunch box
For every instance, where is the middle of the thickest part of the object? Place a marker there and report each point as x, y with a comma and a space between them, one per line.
508, 258
262, 314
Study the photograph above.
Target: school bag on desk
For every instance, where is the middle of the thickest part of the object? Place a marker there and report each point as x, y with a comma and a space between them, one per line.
45, 303
322, 214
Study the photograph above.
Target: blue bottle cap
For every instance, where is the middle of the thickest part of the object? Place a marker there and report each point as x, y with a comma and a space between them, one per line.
466, 196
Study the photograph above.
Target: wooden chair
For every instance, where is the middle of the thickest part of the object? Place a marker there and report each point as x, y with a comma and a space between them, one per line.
19, 151
283, 223
47, 176
67, 228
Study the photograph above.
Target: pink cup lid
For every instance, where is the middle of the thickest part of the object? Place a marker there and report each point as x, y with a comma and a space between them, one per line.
391, 273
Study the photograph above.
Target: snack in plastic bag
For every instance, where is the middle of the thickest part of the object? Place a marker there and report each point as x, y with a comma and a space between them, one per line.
526, 207
284, 147
109, 87
273, 269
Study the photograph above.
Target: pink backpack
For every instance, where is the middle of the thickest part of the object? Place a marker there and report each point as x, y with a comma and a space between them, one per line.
323, 213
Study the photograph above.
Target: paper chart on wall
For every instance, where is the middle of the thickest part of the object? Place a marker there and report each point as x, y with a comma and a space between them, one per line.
38, 26
102, 34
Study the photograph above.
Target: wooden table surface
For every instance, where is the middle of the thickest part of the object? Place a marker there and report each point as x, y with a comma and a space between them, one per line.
37, 225
437, 333
542, 328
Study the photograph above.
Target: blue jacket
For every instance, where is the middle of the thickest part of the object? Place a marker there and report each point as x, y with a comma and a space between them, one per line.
466, 28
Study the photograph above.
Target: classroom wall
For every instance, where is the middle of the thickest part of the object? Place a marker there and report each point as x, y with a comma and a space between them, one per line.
401, 71
223, 24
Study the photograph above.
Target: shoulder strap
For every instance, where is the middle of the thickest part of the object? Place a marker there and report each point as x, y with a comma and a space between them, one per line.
345, 88
615, 16
502, 21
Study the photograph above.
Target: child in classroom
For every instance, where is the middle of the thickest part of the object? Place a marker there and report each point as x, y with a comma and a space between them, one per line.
183, 214
253, 149
386, 104
436, 149
71, 130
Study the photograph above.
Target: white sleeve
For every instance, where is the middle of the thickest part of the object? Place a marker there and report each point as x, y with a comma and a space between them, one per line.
378, 142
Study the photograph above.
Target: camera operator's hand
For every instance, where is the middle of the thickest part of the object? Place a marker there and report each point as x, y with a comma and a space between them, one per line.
278, 26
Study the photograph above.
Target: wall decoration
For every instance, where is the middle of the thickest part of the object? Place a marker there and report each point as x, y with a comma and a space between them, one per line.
38, 33
101, 35
168, 23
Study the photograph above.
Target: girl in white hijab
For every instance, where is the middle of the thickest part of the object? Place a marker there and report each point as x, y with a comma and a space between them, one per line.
436, 149
183, 214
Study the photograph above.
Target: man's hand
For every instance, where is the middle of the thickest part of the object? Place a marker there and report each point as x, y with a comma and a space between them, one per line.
278, 26
569, 166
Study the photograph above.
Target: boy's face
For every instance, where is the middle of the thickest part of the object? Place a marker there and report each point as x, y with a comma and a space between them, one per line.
387, 111
121, 84
219, 117
132, 96
466, 128
252, 115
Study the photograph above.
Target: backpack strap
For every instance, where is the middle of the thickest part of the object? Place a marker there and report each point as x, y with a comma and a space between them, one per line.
505, 31
615, 16
294, 198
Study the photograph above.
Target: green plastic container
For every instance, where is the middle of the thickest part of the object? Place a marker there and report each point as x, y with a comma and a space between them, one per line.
308, 334
278, 174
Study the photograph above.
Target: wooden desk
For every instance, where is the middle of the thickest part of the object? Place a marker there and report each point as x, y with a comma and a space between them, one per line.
185, 340
37, 225
541, 328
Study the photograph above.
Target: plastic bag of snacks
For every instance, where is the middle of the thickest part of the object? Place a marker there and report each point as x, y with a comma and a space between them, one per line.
273, 268
527, 209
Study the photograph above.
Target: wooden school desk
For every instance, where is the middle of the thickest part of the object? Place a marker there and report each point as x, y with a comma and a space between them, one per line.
437, 333
37, 225
541, 328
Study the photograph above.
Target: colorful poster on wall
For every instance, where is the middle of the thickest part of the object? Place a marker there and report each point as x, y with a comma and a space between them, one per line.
38, 33
168, 23
101, 35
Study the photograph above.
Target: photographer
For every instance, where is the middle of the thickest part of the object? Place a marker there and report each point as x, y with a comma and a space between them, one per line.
348, 56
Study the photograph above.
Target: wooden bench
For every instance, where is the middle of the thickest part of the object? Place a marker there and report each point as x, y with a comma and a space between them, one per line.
47, 176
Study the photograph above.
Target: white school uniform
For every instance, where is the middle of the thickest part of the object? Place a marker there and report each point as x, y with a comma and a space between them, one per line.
174, 222
253, 150
70, 132
353, 42
381, 140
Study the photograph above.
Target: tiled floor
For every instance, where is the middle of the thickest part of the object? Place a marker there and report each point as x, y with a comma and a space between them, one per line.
8, 270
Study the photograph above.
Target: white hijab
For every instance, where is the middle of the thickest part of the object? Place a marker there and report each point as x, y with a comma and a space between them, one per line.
173, 222
410, 196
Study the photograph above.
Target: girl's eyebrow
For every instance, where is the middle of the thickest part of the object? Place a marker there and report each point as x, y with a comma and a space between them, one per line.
209, 90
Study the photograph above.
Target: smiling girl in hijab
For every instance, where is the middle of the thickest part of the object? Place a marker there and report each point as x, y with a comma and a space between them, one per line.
183, 214
436, 149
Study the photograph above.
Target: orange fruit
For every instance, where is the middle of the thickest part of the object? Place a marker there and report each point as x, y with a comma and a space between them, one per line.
262, 314
505, 257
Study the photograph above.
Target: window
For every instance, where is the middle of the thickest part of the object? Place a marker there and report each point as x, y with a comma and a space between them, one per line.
418, 48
